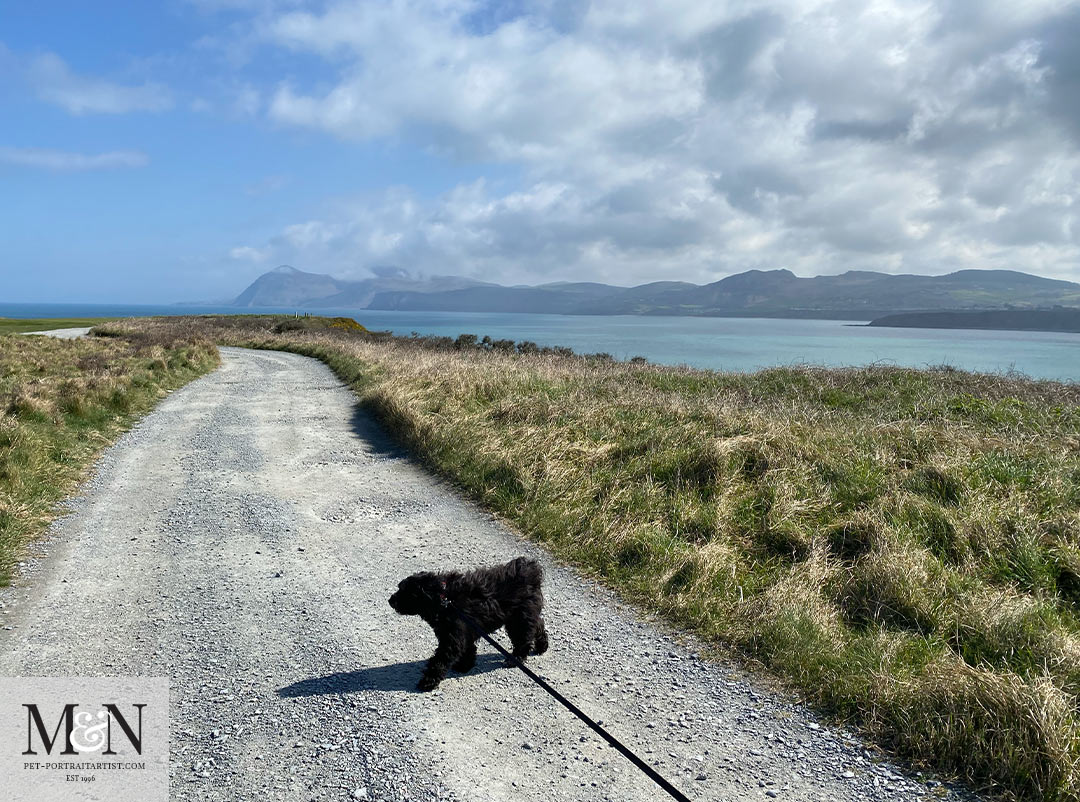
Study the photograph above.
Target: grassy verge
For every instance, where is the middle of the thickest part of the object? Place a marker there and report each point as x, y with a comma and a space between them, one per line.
901, 546
11, 325
62, 402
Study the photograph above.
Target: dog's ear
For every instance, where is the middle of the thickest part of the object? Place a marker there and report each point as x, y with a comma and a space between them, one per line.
429, 585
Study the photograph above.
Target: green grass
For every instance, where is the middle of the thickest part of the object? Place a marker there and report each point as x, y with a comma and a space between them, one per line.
61, 403
10, 325
900, 546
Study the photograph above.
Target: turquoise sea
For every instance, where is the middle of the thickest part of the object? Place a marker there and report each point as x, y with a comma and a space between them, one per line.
739, 344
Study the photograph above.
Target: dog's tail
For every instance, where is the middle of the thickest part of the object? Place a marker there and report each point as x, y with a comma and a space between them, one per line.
527, 570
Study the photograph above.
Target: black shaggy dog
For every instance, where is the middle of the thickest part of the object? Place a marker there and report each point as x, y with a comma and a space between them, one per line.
501, 596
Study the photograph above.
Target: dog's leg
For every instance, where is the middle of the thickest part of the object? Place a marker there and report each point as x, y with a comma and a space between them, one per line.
437, 666
521, 632
540, 640
467, 660
452, 644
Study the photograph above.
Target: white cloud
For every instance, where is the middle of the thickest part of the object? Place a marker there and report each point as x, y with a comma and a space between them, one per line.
521, 91
64, 160
687, 140
55, 83
246, 253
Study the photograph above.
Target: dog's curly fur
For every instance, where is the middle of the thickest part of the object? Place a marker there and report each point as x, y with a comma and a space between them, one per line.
500, 596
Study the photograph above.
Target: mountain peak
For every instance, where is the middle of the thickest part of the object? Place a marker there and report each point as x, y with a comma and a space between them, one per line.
753, 279
287, 286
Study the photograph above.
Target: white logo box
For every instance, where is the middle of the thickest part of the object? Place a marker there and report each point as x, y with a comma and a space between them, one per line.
84, 739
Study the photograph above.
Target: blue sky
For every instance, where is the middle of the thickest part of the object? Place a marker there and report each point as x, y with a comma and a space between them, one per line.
156, 152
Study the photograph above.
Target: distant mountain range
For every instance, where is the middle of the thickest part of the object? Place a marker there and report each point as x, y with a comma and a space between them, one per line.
855, 295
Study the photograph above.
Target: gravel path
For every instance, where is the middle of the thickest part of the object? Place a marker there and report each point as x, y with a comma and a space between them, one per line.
242, 540
63, 334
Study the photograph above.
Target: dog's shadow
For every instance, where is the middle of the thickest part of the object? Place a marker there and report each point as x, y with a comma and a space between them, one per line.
392, 677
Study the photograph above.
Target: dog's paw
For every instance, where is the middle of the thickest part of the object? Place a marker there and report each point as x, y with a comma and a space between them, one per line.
464, 666
427, 684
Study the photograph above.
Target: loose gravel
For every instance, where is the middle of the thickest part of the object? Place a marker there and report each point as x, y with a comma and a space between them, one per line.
242, 541
62, 334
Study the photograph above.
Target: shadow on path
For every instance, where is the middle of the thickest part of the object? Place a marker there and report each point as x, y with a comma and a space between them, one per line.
392, 677
375, 436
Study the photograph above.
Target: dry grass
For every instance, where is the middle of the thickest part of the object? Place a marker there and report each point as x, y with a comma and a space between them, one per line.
61, 403
901, 546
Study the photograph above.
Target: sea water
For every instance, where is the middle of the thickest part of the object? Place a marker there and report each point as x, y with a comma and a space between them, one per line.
738, 344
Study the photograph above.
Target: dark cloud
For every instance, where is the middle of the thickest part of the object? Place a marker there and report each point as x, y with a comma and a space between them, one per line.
728, 50
1060, 53
873, 130
749, 188
1031, 225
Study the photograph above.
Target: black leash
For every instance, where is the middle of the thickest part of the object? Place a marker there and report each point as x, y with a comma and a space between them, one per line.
653, 774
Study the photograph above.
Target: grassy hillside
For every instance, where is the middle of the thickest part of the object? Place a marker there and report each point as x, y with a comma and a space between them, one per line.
62, 402
901, 546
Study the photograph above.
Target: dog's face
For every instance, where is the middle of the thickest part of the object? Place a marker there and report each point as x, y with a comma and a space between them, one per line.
416, 593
